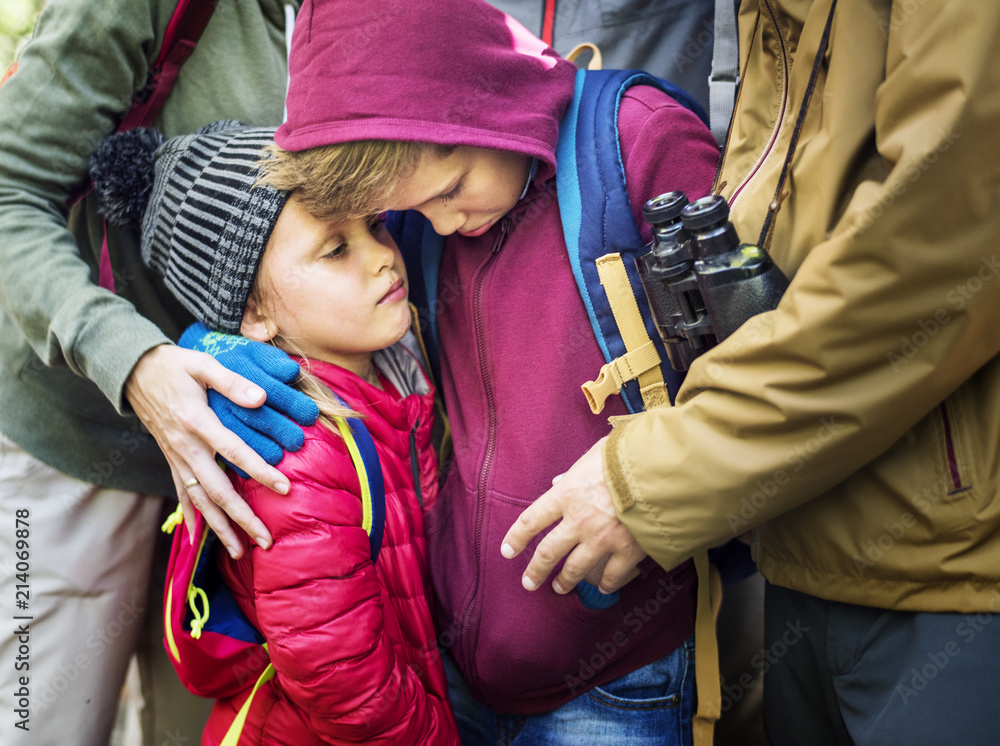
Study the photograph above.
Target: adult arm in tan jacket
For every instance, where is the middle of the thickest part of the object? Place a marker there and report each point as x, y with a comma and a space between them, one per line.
891, 310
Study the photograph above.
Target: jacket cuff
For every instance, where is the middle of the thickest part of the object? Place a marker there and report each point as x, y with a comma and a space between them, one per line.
617, 474
113, 359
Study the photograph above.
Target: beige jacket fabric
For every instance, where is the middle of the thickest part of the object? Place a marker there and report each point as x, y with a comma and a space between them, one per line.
857, 427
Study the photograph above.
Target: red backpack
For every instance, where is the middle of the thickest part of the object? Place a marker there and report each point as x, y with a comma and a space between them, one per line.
212, 645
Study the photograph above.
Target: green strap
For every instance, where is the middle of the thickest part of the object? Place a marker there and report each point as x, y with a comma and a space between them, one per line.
236, 729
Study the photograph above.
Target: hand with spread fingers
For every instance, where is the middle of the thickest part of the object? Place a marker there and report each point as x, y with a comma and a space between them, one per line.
168, 389
596, 545
269, 430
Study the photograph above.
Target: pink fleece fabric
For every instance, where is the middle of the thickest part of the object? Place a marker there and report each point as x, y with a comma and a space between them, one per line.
451, 72
516, 346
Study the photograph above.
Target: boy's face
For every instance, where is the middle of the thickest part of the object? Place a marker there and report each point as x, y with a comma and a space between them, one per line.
336, 291
466, 191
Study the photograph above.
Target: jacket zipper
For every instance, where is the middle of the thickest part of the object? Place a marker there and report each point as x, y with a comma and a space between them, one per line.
781, 112
949, 444
484, 471
414, 464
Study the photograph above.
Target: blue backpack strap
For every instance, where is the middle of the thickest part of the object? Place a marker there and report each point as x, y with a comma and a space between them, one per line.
596, 212
421, 248
362, 449
598, 220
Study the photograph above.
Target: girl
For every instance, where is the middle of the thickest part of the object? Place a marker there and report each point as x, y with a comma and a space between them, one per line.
352, 642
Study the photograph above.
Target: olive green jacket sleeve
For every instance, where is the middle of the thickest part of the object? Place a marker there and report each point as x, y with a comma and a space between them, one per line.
73, 82
893, 304
67, 346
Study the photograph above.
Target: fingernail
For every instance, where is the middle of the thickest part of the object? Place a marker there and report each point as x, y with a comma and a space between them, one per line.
557, 587
556, 478
262, 542
255, 392
528, 583
281, 488
507, 550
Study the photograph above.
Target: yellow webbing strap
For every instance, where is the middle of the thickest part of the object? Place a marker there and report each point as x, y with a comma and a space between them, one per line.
596, 61
706, 657
641, 361
236, 729
613, 375
196, 594
359, 466
167, 629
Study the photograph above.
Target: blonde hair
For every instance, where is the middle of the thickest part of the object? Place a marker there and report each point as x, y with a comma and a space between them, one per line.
329, 408
340, 182
344, 181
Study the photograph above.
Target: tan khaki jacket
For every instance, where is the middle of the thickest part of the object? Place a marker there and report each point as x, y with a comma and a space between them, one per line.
857, 427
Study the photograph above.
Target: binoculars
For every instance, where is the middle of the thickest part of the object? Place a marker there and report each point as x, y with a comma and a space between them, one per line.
701, 282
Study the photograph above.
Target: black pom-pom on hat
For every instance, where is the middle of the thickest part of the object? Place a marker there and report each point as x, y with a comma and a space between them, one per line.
122, 170
207, 222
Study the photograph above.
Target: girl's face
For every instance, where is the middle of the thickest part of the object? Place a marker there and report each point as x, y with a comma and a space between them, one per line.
466, 191
334, 291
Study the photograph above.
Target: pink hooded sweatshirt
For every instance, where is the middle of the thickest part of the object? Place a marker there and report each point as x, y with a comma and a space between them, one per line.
515, 340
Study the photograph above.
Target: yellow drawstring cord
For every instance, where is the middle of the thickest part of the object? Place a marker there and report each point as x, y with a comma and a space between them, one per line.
174, 520
200, 619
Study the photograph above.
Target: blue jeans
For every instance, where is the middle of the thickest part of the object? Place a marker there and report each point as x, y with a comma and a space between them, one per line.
651, 705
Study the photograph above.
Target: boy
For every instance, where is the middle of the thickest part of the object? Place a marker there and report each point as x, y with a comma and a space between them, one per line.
514, 337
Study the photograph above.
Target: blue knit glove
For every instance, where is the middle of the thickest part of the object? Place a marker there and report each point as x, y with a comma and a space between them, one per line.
271, 428
592, 598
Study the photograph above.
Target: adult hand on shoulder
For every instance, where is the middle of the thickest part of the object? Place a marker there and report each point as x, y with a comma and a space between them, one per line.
589, 533
168, 391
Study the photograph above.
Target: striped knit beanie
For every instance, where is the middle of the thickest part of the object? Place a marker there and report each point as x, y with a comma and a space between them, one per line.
204, 225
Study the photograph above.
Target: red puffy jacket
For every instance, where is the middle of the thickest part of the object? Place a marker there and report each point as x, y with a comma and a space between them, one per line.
353, 643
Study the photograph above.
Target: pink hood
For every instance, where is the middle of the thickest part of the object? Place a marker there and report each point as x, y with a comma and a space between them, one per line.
450, 72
